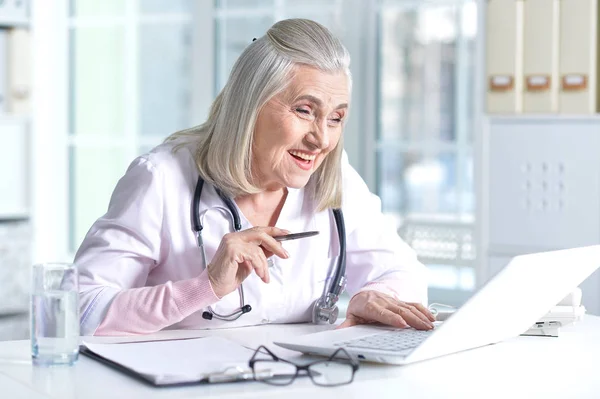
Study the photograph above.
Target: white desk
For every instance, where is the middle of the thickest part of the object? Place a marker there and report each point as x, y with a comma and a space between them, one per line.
531, 367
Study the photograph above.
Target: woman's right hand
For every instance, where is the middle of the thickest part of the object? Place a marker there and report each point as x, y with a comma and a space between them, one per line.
241, 252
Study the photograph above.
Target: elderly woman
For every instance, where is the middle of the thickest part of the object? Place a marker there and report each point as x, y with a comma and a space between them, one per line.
191, 238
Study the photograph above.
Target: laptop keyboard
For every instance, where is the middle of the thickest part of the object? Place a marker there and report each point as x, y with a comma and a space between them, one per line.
394, 341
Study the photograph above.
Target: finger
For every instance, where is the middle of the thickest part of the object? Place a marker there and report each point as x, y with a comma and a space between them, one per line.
268, 254
270, 230
260, 236
271, 246
347, 323
275, 231
386, 316
413, 320
249, 260
259, 263
244, 264
423, 310
416, 312
264, 264
246, 269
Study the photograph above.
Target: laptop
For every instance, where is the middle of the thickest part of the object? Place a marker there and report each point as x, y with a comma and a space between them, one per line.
505, 307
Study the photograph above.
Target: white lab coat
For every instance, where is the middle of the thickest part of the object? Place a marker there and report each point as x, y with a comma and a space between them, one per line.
146, 239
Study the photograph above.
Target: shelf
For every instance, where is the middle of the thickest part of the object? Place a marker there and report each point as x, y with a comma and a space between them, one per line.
13, 216
14, 22
543, 118
10, 118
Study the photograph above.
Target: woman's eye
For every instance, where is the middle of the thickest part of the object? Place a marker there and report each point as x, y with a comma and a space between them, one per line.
303, 111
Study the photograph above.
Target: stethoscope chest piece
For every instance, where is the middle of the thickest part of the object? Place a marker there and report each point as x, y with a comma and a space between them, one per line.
325, 309
324, 313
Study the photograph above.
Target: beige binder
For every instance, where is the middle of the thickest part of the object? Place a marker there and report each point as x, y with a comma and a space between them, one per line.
578, 61
19, 71
540, 33
502, 56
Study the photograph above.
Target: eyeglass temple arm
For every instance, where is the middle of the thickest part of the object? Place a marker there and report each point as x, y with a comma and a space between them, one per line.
258, 350
352, 359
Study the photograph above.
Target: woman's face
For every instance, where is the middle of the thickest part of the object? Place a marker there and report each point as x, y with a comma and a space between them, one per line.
297, 128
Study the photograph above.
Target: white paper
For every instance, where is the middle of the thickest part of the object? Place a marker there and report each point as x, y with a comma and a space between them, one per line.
178, 360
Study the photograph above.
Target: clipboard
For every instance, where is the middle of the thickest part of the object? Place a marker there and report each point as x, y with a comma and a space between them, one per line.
228, 375
156, 376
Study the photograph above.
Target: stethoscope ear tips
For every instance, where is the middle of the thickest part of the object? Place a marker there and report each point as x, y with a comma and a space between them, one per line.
206, 315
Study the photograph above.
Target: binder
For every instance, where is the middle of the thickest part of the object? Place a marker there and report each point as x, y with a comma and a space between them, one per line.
3, 70
14, 168
578, 61
540, 36
503, 56
19, 71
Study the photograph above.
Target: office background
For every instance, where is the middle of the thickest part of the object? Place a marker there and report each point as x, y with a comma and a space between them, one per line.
459, 121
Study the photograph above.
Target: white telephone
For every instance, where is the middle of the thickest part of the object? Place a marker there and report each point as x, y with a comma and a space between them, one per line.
567, 311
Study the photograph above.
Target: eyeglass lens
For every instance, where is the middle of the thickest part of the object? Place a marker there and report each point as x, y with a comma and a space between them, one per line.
331, 372
274, 372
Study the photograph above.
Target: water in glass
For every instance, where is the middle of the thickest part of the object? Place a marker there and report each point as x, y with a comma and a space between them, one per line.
54, 314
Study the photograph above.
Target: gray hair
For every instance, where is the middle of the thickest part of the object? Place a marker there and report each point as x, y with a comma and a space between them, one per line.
263, 70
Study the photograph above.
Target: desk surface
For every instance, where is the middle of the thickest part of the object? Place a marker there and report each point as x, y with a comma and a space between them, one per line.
532, 367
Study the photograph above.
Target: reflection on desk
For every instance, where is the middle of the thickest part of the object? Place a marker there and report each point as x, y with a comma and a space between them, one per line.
532, 367
14, 326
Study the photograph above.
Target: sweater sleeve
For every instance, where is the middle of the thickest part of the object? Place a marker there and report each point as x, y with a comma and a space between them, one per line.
148, 309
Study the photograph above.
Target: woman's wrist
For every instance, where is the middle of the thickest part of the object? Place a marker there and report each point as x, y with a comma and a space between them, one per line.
214, 285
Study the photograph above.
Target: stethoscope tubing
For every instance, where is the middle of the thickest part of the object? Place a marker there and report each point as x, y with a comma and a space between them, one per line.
335, 288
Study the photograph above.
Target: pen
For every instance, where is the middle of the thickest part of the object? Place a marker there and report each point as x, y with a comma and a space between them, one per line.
295, 236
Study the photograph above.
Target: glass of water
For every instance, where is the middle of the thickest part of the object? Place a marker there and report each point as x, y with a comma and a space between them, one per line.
54, 314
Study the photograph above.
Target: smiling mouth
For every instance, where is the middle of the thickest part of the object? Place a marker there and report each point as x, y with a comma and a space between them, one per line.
302, 156
304, 161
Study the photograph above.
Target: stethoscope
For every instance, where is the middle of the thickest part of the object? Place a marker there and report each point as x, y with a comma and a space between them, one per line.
324, 309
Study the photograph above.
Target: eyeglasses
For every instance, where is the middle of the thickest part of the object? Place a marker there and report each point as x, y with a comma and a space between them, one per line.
336, 370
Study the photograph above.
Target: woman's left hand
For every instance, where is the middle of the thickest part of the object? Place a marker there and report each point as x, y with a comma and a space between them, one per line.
376, 307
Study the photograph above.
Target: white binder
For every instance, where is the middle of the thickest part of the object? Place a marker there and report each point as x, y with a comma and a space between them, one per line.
19, 71
539, 50
14, 168
3, 71
578, 62
503, 56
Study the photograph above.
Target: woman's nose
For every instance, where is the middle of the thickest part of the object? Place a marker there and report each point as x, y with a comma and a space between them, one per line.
320, 134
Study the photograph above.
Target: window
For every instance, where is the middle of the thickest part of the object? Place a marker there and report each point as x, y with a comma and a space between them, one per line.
424, 143
130, 87
237, 22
